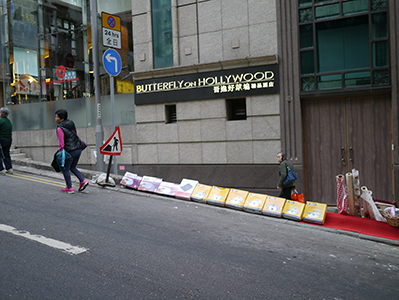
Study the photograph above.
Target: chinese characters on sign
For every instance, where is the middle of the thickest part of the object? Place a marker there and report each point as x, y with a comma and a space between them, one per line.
236, 82
239, 87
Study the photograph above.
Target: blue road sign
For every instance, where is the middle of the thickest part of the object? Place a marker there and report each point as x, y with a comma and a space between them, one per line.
112, 62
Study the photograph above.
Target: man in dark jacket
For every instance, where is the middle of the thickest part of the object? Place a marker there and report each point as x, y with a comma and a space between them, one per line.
282, 170
5, 141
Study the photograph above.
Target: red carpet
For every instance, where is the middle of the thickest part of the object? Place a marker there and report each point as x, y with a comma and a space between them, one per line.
360, 225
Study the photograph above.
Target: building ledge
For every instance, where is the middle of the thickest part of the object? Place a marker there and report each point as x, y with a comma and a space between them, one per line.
209, 67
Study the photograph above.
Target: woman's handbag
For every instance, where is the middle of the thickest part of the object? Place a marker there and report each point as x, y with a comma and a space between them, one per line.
291, 177
83, 144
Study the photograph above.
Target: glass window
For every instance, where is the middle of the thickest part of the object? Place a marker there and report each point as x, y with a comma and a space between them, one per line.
378, 4
306, 15
306, 36
380, 54
329, 82
305, 2
162, 33
380, 26
381, 77
160, 4
343, 44
327, 11
308, 84
357, 79
355, 6
307, 62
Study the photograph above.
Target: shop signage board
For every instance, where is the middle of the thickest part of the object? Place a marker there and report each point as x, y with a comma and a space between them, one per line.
240, 82
111, 30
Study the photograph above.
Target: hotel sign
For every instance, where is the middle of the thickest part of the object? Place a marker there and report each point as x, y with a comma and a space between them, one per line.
210, 85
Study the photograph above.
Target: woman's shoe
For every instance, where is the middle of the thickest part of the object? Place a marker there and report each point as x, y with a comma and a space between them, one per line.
69, 191
83, 185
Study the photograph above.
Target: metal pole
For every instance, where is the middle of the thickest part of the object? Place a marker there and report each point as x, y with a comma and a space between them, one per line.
96, 73
112, 92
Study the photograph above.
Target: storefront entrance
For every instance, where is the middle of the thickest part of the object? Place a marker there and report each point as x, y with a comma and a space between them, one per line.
345, 133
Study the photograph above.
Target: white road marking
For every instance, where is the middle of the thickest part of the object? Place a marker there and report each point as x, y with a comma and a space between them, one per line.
67, 248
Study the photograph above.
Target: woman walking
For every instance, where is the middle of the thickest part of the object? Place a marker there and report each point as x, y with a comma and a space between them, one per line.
70, 142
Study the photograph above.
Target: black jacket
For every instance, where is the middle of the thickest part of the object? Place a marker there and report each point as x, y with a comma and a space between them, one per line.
71, 141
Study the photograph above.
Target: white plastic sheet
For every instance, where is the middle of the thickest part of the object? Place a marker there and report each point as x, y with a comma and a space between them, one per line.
357, 192
370, 206
342, 195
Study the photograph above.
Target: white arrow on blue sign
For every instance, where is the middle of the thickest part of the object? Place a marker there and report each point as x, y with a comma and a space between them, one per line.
112, 62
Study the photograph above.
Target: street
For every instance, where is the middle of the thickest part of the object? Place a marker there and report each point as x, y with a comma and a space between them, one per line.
151, 247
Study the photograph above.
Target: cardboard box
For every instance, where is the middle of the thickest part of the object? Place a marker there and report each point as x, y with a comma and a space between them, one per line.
236, 199
167, 188
186, 188
293, 210
217, 196
201, 192
273, 206
315, 212
254, 203
131, 180
149, 184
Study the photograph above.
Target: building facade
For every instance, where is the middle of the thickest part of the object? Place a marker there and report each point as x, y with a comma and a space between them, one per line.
340, 92
221, 86
211, 109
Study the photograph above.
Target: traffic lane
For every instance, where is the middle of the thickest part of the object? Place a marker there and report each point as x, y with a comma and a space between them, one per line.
208, 251
33, 271
109, 230
110, 241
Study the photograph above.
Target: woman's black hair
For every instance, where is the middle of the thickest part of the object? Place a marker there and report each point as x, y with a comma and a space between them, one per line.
62, 114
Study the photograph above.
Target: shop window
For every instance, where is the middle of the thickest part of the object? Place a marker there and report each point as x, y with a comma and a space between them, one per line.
170, 114
236, 109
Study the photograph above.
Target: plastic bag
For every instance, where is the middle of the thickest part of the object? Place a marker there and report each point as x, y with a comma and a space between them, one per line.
370, 206
297, 196
101, 180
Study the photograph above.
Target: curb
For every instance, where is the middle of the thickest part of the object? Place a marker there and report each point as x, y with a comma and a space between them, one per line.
40, 168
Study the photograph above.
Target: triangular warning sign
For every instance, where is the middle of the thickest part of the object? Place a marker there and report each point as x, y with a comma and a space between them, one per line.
113, 146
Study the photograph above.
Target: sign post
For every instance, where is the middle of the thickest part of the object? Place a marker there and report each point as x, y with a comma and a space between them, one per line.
113, 65
96, 73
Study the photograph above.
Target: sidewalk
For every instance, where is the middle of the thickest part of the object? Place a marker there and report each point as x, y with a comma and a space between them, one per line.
41, 168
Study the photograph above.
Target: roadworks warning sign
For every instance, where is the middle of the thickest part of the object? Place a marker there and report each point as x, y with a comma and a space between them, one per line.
113, 146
